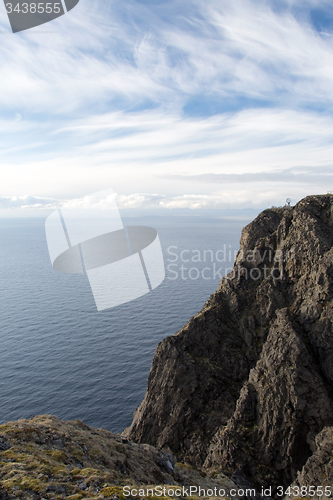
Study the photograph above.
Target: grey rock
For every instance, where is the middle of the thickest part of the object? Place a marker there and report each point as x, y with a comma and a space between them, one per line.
166, 461
4, 443
169, 467
281, 408
39, 440
318, 470
77, 463
60, 489
243, 483
58, 443
3, 494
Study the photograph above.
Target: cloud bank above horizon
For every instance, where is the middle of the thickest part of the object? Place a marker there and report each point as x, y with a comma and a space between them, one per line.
209, 104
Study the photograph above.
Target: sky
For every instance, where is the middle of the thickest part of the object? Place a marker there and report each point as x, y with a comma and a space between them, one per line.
179, 104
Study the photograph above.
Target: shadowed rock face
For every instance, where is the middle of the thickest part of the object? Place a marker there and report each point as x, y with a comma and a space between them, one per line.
318, 470
247, 383
280, 409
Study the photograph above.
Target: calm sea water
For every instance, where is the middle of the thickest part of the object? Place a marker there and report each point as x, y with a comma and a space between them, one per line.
60, 356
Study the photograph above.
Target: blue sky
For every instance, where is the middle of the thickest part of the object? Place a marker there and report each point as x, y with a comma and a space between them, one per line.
174, 104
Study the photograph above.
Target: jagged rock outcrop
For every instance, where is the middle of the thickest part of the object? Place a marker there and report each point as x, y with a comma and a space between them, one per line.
247, 383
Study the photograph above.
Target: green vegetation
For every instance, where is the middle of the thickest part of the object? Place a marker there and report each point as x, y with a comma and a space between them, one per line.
50, 459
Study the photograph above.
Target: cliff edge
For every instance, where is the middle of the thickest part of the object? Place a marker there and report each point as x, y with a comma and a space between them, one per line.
247, 384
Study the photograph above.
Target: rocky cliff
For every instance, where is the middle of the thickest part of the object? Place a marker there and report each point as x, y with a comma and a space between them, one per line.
247, 384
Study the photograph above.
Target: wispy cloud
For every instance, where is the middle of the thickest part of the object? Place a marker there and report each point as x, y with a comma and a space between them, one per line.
27, 202
154, 97
228, 197
166, 54
158, 151
298, 175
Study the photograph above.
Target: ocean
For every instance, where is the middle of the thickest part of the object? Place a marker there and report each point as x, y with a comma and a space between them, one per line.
60, 356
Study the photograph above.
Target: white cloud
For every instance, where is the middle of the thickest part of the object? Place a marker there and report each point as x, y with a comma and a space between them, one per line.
69, 125
27, 203
231, 196
158, 152
134, 53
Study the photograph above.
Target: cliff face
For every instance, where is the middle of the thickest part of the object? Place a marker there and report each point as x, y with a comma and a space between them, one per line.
247, 383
